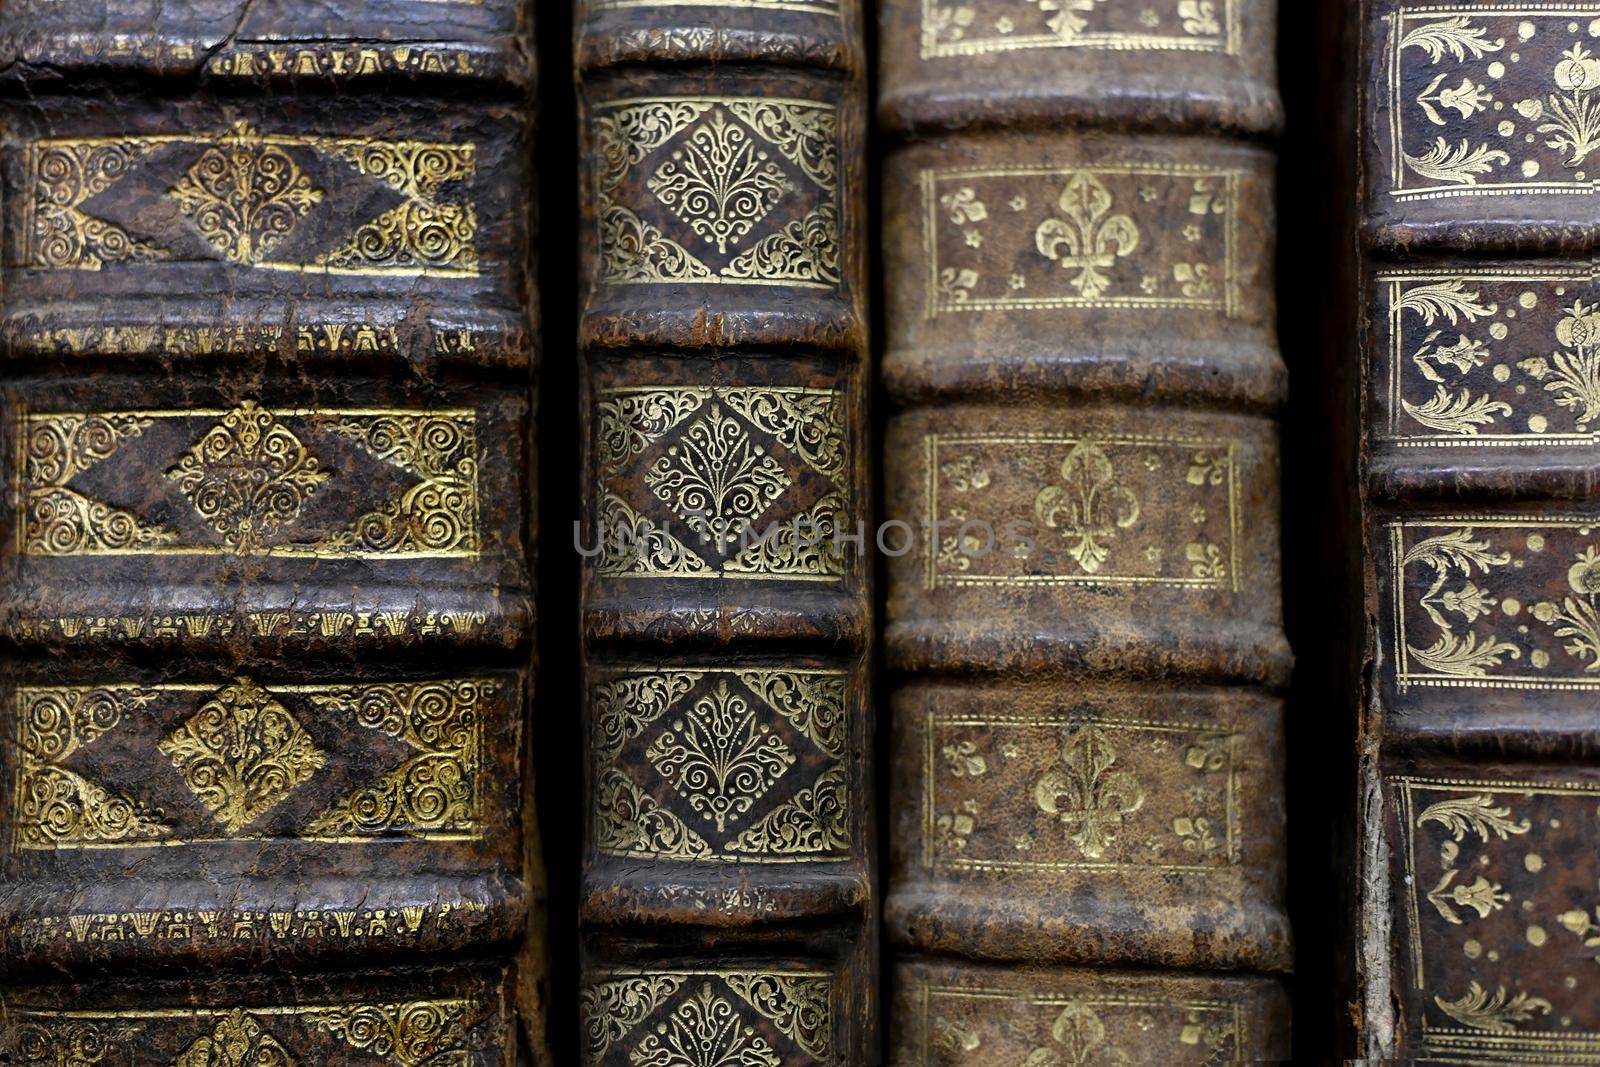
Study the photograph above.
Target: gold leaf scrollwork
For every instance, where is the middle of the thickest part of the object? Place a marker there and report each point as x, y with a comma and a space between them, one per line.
425, 232
440, 512
435, 790
799, 1007
633, 544
70, 1043
816, 820
720, 756
1458, 552
719, 183
241, 753
61, 521
1456, 35
630, 422
629, 822
809, 422
411, 1034
248, 476
813, 704
65, 175
1093, 238
1500, 1012
810, 543
1090, 504
237, 1040
611, 1010
243, 195
625, 706
1089, 798
704, 1030
55, 806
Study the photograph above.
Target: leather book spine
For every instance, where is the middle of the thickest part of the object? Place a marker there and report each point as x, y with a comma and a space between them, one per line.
1087, 844
726, 899
1480, 789
266, 657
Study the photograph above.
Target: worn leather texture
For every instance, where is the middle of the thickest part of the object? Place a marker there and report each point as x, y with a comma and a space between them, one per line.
1477, 920
1087, 815
727, 899
267, 614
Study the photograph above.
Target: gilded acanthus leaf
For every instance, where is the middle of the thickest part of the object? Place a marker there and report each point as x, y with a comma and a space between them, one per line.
1478, 814
1499, 1013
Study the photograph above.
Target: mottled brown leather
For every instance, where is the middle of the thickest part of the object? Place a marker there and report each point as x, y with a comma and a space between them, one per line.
727, 885
1087, 760
1477, 884
267, 611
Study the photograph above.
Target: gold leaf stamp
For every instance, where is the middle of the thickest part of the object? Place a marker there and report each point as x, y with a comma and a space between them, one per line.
1043, 509
248, 474
1059, 793
744, 765
713, 190
1113, 235
1486, 601
1495, 953
1490, 99
985, 1023
746, 482
248, 196
243, 753
685, 1018
978, 27
1505, 357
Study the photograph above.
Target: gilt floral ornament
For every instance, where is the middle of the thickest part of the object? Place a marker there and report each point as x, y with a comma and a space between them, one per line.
1089, 505
1090, 799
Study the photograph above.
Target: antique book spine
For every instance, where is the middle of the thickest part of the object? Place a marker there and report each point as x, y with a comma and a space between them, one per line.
1088, 844
266, 620
1480, 801
727, 896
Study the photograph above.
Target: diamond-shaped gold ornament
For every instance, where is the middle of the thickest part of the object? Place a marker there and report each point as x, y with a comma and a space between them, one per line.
238, 1040
248, 476
242, 753
717, 480
244, 195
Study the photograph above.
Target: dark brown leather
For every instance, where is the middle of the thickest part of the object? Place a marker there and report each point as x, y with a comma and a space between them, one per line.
1087, 844
727, 887
1480, 792
267, 614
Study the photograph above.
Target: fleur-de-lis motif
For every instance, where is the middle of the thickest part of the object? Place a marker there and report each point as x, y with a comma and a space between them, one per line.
1089, 798
1081, 1039
1089, 504
1092, 238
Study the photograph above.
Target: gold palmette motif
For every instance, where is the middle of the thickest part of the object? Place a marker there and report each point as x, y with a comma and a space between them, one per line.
976, 27
238, 1040
245, 194
242, 753
710, 740
694, 1019
1482, 122
718, 168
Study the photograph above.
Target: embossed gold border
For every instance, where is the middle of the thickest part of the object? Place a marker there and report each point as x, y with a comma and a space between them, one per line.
22, 417
1108, 41
926, 991
934, 719
932, 579
1396, 19
1405, 678
488, 685
1483, 1046
1229, 304
1393, 281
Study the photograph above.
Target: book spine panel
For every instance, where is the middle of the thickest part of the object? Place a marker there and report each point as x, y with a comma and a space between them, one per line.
728, 870
268, 617
1088, 802
1479, 513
